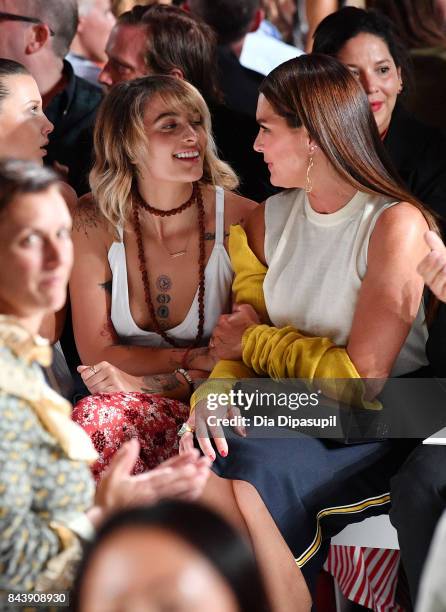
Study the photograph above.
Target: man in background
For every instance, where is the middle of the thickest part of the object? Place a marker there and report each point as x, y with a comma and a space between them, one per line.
87, 51
232, 20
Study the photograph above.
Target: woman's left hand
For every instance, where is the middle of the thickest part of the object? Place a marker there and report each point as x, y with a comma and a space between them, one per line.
226, 341
107, 378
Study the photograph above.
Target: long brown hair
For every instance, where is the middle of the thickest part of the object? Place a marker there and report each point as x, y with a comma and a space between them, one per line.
321, 94
120, 140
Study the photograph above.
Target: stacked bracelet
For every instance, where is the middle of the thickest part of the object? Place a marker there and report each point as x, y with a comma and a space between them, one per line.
187, 377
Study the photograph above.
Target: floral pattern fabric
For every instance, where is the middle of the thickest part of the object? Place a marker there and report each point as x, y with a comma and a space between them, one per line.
110, 419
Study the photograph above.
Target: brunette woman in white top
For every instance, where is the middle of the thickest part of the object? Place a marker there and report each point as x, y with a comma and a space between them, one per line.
151, 273
342, 299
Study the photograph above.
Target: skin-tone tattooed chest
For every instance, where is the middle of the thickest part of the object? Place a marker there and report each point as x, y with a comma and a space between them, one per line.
163, 286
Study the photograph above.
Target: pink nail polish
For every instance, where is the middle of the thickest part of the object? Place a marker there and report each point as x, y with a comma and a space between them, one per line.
223, 453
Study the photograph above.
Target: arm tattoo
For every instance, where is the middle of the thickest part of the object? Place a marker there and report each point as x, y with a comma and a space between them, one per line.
108, 331
160, 383
85, 216
194, 354
107, 286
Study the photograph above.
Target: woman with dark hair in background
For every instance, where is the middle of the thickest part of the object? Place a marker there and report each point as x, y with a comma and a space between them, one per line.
171, 556
331, 264
421, 27
367, 44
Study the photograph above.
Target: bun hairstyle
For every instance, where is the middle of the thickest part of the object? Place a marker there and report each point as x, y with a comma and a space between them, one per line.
8, 68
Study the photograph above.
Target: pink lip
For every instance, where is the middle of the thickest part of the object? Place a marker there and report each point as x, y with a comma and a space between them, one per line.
376, 106
52, 281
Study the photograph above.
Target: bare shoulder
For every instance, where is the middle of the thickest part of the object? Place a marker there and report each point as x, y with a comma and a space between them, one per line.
87, 218
404, 221
69, 195
398, 235
238, 208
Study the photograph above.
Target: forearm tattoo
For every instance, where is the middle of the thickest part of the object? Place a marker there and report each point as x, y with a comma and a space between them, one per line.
194, 355
160, 383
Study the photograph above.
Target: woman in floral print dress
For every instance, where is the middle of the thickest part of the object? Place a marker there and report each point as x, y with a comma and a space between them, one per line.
151, 274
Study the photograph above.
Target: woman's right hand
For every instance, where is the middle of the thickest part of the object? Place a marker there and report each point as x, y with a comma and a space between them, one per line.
208, 432
179, 477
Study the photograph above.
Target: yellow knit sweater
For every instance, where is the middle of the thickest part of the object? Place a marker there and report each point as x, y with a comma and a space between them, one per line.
279, 353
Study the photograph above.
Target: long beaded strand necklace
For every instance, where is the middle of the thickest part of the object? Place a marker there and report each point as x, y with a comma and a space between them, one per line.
138, 203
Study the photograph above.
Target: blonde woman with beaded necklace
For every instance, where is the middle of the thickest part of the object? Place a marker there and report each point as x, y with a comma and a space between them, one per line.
151, 273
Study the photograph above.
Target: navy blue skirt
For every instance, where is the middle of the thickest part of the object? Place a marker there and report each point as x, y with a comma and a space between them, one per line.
313, 488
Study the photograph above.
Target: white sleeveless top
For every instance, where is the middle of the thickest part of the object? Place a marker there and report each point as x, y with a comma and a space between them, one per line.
218, 280
316, 264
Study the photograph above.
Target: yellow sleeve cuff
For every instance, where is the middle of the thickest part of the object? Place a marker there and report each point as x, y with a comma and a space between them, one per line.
286, 353
221, 380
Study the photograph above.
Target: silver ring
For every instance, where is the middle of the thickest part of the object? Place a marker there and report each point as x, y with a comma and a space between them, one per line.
93, 369
185, 428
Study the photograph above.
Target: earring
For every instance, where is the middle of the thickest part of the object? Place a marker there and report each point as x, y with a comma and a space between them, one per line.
309, 182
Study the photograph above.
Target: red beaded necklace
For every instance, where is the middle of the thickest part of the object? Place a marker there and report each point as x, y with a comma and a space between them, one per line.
138, 203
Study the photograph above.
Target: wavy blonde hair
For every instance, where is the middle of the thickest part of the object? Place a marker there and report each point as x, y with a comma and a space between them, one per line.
120, 140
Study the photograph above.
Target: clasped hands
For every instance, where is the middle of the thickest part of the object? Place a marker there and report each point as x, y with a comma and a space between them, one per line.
226, 341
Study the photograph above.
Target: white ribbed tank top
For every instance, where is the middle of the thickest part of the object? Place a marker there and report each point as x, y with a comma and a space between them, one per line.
218, 280
316, 263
